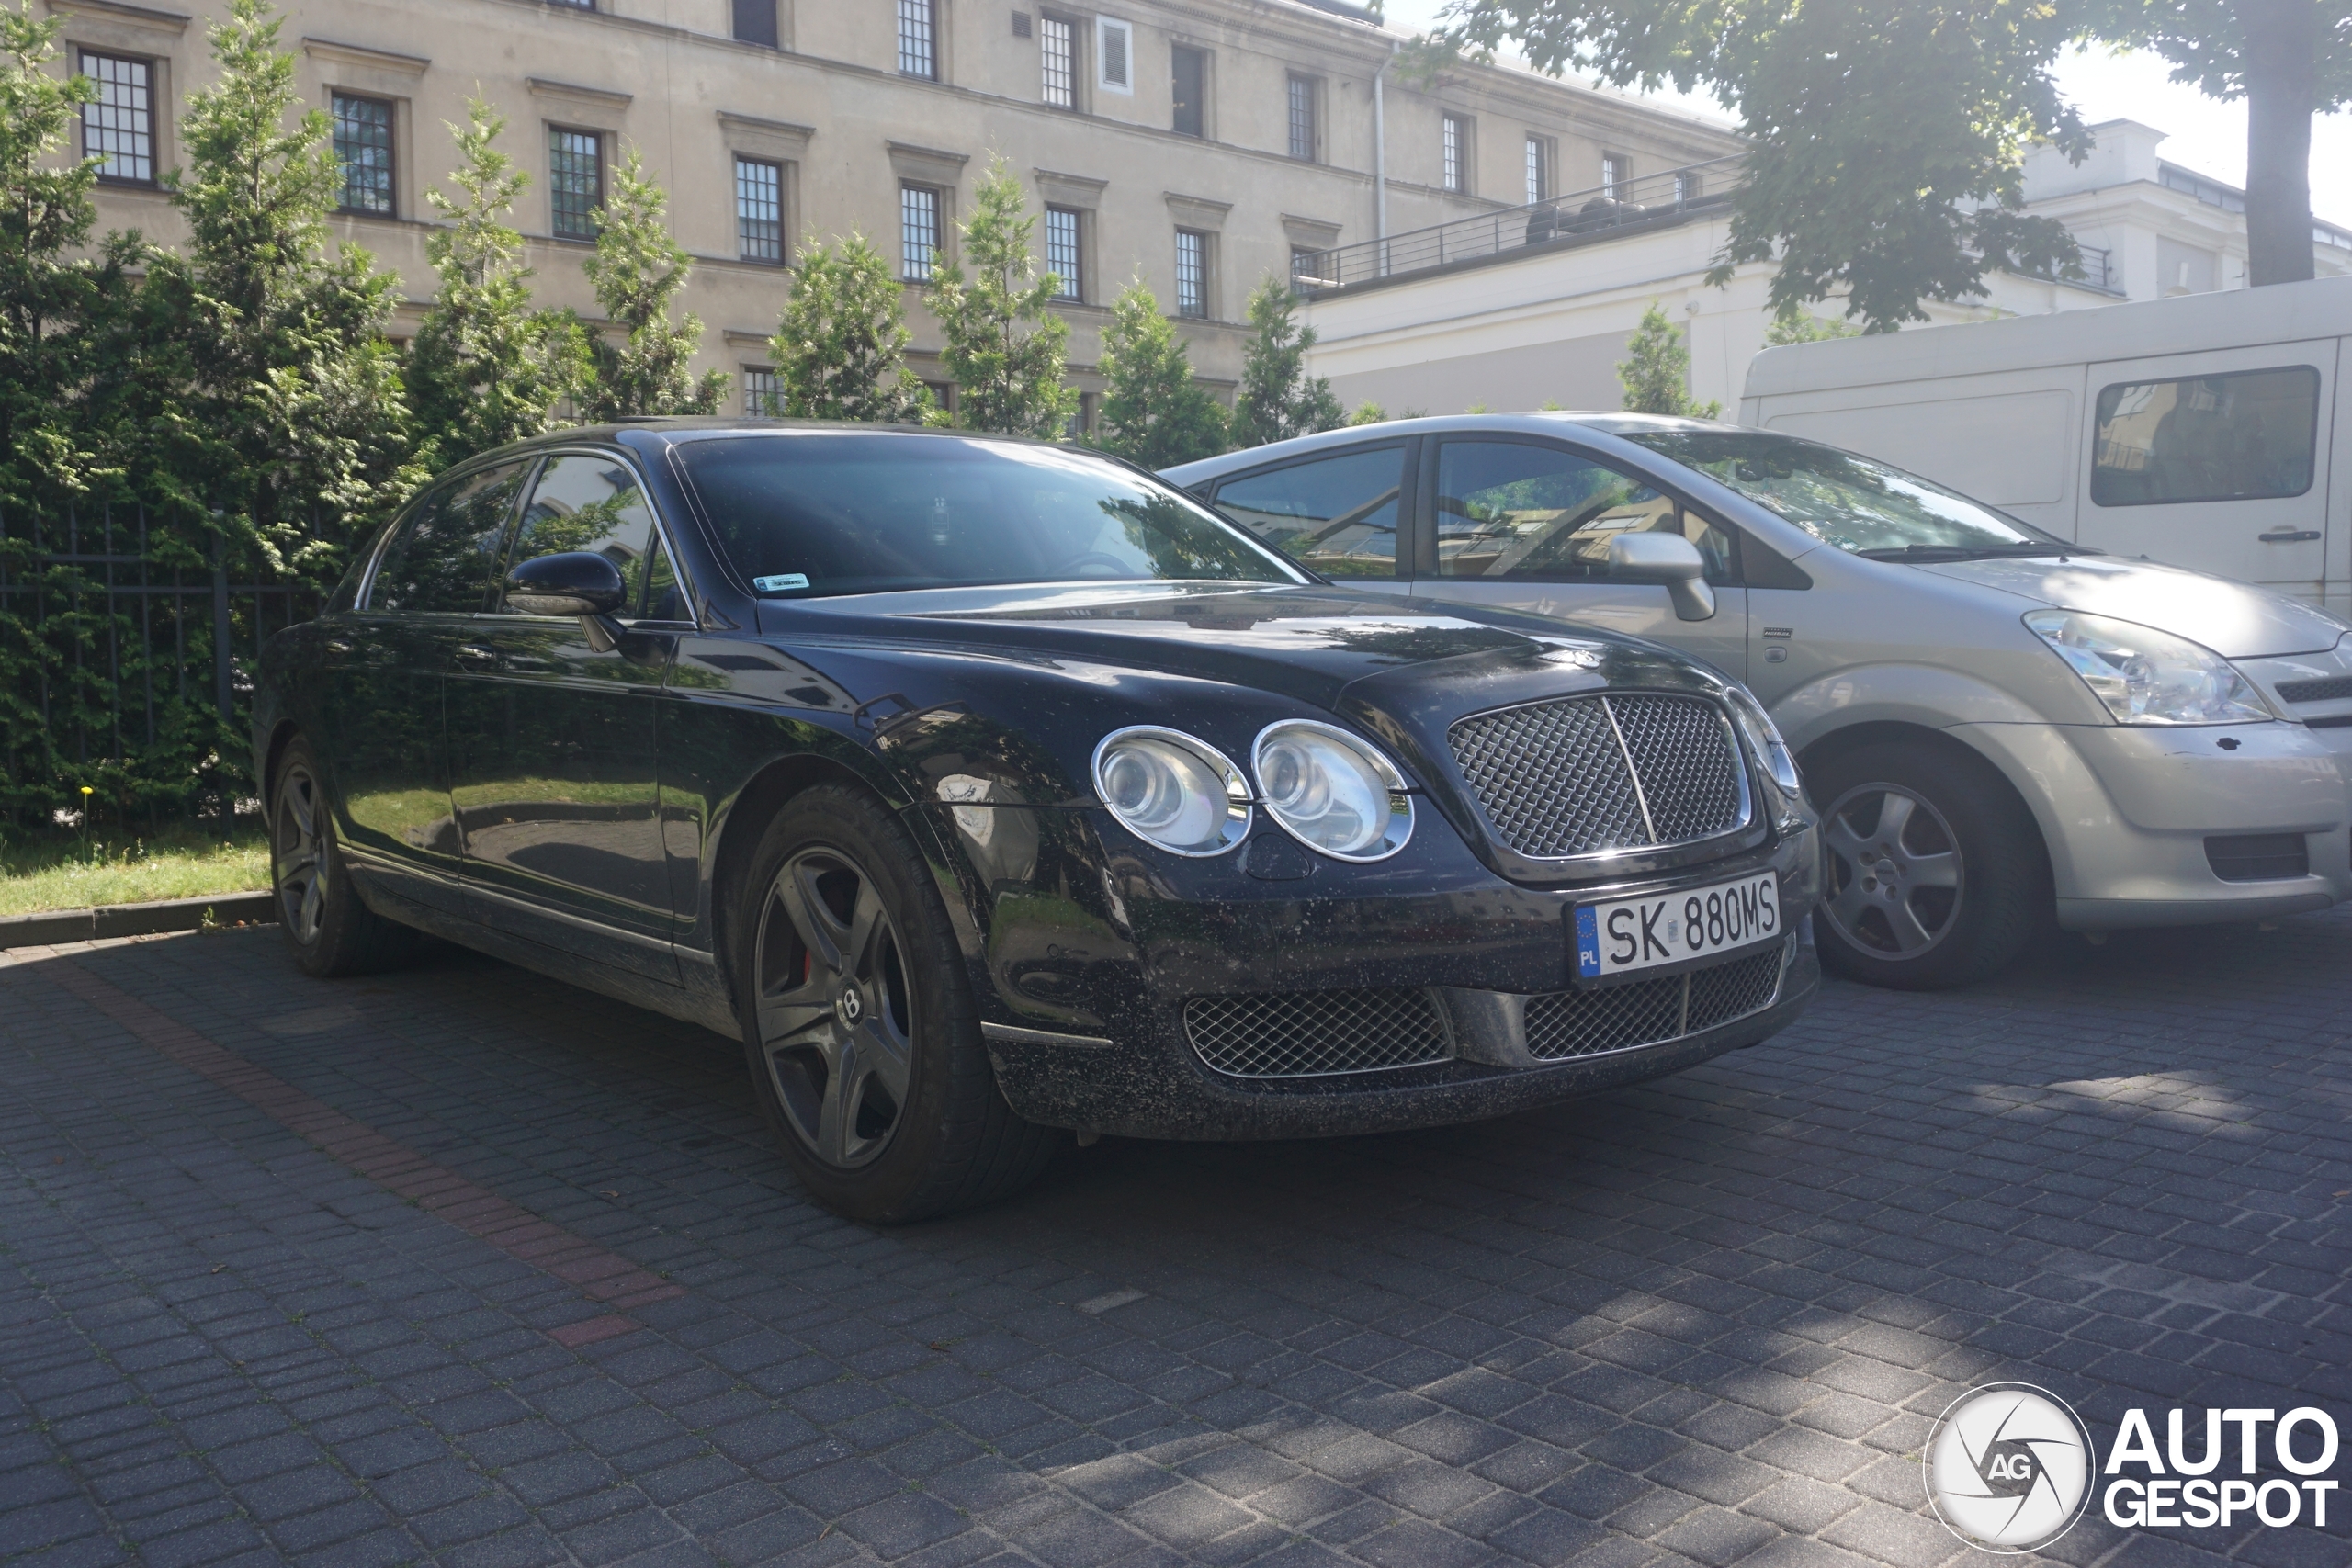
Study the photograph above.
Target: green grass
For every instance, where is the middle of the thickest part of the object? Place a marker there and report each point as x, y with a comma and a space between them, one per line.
49, 873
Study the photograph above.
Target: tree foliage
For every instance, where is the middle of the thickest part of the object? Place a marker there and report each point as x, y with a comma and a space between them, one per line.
1656, 371
1003, 343
1278, 398
1795, 325
487, 367
1153, 412
839, 350
637, 270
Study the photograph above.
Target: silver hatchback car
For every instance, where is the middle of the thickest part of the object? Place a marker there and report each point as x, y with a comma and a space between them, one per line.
1997, 724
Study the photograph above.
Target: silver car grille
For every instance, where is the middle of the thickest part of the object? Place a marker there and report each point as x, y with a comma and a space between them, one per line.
1614, 772
1561, 1025
1296, 1035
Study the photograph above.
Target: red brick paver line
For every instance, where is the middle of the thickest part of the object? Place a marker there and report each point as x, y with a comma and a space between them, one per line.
599, 1275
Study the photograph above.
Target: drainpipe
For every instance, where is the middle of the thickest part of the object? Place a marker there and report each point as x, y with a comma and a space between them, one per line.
1380, 159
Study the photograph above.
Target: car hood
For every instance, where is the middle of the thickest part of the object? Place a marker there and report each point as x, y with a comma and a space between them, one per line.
2235, 620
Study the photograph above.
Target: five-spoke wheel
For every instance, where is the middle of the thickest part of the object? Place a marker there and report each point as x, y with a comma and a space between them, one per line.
294, 855
327, 926
1895, 878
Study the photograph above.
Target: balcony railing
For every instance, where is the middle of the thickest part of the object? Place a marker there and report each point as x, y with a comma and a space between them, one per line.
1663, 198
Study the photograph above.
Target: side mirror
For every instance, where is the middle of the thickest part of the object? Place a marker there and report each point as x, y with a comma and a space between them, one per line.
1669, 559
577, 582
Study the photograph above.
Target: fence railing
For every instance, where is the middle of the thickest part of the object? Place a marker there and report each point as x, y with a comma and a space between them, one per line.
1669, 197
133, 670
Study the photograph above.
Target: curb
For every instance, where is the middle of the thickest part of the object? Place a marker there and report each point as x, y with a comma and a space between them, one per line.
56, 926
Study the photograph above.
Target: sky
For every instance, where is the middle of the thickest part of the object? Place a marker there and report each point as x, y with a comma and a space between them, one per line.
2204, 134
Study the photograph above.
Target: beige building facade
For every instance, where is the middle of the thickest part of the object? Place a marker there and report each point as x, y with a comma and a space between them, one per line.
1199, 146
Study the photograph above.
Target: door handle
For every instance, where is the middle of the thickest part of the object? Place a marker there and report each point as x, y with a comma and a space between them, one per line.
2290, 536
474, 653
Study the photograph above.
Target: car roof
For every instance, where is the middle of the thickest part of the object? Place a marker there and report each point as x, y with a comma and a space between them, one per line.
1541, 421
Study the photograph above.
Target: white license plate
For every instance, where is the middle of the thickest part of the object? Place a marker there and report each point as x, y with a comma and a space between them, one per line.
1673, 928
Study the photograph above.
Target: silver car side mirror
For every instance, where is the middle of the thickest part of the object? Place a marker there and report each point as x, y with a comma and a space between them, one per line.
1668, 558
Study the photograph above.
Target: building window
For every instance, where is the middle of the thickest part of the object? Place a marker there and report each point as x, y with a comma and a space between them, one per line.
1456, 153
1192, 273
575, 5
1302, 117
1062, 254
1616, 176
119, 126
1057, 57
1190, 78
1114, 53
575, 180
363, 149
919, 38
1686, 188
756, 22
1539, 169
760, 393
918, 232
759, 210
1305, 264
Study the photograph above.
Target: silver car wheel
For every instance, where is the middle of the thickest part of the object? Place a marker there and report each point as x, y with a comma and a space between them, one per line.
836, 1013
1896, 879
296, 849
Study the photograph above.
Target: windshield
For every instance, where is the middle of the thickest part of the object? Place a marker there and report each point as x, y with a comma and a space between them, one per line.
871, 512
1849, 501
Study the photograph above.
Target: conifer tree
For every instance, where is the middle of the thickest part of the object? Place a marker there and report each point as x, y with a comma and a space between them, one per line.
637, 270
487, 368
1004, 346
1154, 414
839, 350
1656, 371
1278, 399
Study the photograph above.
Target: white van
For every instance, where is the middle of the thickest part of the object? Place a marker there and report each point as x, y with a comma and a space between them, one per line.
2197, 431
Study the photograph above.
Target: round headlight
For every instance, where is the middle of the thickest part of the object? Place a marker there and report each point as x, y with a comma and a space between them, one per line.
1173, 790
1764, 739
1333, 792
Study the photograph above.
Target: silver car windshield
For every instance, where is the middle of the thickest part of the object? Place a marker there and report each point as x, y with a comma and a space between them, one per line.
1850, 501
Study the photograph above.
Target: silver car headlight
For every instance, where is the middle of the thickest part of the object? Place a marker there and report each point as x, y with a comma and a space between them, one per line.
1172, 789
2145, 676
1763, 738
1333, 792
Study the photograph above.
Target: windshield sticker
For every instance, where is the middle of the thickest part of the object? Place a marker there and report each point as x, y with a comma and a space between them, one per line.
782, 583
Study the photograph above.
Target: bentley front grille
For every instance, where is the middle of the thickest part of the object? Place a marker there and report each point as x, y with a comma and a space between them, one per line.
1298, 1034
1561, 1025
1611, 771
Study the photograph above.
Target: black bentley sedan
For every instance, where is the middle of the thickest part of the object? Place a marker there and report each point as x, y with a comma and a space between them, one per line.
989, 790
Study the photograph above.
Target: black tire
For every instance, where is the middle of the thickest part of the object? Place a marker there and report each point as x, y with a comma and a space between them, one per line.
328, 929
859, 1027
1933, 871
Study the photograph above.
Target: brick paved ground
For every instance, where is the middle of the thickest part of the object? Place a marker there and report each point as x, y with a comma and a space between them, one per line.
461, 1265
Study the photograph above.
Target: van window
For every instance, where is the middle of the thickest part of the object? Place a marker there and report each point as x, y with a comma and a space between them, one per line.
2247, 436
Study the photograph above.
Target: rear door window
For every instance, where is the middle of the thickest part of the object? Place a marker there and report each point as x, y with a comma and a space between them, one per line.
1336, 515
442, 558
592, 502
1527, 512
2243, 436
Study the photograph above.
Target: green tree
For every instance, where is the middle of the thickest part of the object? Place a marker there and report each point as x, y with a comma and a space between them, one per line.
1004, 345
1795, 325
1367, 413
1154, 414
1655, 370
486, 368
839, 350
637, 270
1278, 399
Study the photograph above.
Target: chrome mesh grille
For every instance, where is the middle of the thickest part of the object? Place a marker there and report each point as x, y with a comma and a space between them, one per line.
1561, 1025
1555, 779
1295, 1035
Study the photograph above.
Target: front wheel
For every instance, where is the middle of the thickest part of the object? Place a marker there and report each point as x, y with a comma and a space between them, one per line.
327, 928
859, 1027
1934, 873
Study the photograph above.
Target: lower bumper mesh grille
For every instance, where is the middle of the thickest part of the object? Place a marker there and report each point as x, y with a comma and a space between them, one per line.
1566, 1024
1296, 1035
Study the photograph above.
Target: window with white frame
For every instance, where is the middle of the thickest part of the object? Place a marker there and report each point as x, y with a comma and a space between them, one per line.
1192, 273
759, 210
919, 38
761, 393
1058, 62
1455, 131
1302, 117
918, 232
1539, 169
1115, 56
1616, 176
118, 125
1686, 188
363, 153
1064, 252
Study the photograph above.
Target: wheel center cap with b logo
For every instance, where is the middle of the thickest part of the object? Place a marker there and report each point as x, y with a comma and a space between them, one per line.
850, 1007
2009, 1467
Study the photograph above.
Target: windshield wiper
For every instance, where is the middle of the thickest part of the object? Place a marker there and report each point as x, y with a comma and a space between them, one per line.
1974, 552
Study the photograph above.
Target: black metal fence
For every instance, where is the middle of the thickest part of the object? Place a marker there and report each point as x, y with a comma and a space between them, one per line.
128, 661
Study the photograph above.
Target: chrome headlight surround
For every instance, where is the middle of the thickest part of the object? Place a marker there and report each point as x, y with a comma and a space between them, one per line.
1299, 761
1764, 739
2149, 677
1156, 781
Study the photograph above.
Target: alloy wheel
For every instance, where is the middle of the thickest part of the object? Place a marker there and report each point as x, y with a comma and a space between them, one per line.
1896, 875
294, 854
836, 1013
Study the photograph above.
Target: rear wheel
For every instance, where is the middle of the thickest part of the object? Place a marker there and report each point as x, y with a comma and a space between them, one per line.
1933, 873
327, 928
860, 1030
